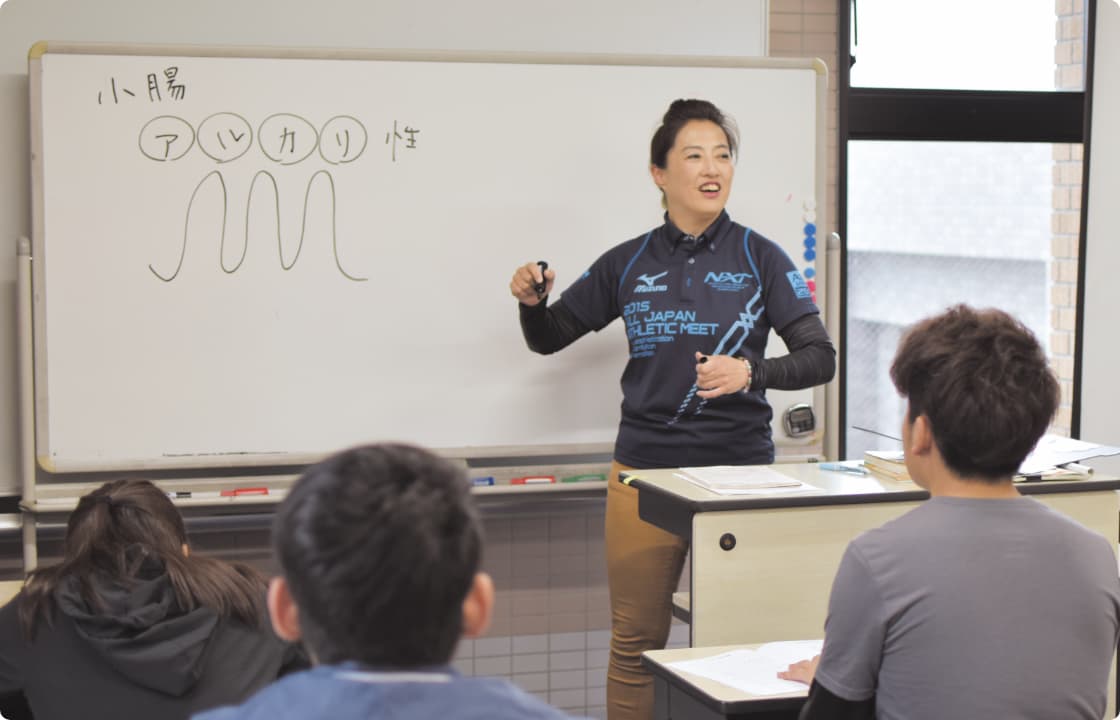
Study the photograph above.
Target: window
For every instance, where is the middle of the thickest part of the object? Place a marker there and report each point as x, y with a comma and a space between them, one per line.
969, 192
968, 45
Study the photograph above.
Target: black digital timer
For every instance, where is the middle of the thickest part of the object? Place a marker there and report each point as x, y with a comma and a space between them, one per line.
799, 420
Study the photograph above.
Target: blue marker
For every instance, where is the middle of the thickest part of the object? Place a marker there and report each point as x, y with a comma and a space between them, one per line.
842, 467
482, 481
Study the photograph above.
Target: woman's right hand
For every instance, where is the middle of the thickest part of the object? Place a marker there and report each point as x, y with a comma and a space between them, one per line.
803, 671
525, 281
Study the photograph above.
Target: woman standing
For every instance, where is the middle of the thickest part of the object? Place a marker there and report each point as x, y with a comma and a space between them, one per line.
699, 295
131, 624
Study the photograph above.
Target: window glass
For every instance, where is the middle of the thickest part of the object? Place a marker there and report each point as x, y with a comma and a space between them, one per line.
935, 224
968, 44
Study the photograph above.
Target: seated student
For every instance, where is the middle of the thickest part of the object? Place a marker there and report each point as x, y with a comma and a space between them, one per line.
979, 603
130, 624
379, 547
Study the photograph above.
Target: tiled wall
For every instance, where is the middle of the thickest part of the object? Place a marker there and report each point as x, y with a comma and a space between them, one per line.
551, 628
568, 670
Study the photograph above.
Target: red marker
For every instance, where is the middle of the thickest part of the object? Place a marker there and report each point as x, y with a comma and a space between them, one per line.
237, 492
533, 480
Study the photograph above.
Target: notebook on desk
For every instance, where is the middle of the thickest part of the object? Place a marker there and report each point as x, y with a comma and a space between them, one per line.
733, 478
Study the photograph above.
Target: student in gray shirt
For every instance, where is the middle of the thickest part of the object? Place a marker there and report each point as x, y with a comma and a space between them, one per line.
980, 603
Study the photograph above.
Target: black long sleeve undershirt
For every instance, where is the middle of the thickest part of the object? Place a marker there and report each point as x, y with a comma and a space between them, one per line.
811, 359
823, 705
551, 328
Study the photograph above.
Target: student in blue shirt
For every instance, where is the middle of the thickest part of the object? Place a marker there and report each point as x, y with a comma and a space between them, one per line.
379, 550
699, 295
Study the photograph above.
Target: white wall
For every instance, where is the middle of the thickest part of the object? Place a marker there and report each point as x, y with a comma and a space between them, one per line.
721, 27
1100, 381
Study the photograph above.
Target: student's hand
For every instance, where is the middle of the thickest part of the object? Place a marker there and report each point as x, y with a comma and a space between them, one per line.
720, 375
525, 280
802, 671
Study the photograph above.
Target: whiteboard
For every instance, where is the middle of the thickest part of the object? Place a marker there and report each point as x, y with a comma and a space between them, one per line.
243, 258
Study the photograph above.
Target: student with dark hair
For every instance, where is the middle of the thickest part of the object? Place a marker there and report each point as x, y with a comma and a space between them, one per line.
379, 549
131, 624
699, 295
979, 603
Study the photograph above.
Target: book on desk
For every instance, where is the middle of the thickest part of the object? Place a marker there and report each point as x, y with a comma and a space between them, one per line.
888, 464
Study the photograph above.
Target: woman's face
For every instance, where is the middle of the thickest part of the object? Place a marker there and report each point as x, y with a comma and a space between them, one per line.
697, 175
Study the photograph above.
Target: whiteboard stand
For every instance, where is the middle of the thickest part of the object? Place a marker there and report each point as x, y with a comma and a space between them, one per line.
832, 322
26, 371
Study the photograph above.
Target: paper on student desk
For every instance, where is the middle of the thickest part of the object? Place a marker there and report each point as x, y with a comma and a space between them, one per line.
743, 480
754, 671
1055, 450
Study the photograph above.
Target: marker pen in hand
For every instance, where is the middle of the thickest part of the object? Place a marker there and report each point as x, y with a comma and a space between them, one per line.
540, 287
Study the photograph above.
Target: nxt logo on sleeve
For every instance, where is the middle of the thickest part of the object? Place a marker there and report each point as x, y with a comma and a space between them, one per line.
646, 283
800, 288
727, 281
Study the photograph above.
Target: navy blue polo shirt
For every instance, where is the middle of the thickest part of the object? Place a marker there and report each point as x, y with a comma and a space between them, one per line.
719, 293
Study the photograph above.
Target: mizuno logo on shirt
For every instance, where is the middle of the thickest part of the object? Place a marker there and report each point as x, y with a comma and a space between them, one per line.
649, 281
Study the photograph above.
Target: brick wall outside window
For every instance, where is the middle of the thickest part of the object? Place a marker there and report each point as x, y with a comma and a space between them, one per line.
1065, 222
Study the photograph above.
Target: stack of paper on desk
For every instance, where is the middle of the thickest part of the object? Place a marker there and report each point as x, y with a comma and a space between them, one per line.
1055, 452
754, 671
743, 480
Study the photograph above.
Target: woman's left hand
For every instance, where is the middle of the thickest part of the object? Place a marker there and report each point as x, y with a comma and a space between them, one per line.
721, 375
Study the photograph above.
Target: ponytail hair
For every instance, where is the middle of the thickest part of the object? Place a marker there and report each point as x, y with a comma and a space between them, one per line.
680, 113
126, 525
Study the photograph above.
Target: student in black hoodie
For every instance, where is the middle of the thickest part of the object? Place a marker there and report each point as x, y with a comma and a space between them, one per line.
131, 624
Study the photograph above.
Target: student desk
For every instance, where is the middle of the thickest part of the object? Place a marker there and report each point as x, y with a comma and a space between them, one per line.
762, 567
680, 695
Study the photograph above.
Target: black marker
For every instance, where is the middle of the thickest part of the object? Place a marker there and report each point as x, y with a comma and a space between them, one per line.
540, 287
703, 359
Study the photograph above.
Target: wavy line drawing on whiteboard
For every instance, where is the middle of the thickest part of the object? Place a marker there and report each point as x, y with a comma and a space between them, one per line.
168, 277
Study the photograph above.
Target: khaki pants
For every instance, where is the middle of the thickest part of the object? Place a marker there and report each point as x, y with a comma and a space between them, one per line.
643, 568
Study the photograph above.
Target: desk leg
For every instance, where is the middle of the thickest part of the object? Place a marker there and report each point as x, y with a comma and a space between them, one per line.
660, 699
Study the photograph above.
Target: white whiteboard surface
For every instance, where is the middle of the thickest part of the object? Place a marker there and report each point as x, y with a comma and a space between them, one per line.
392, 319
1099, 390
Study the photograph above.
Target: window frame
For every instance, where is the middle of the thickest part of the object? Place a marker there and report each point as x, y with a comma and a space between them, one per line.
956, 115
